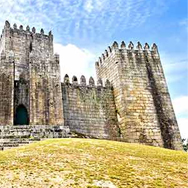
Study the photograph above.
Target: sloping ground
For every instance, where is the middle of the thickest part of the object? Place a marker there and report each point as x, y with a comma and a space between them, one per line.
92, 163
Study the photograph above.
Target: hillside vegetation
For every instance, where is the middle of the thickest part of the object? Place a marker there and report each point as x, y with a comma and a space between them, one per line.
92, 163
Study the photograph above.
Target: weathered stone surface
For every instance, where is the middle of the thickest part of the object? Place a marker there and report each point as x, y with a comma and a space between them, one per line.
34, 131
141, 96
30, 76
90, 110
134, 104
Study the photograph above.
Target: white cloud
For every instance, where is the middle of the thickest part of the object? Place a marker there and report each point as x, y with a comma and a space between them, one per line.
181, 109
88, 5
183, 126
75, 61
184, 22
81, 18
175, 67
181, 105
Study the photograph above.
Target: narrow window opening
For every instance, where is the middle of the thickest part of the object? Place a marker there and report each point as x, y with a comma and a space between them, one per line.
30, 47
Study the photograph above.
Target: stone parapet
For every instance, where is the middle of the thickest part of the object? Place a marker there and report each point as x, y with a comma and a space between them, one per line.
141, 95
34, 131
89, 109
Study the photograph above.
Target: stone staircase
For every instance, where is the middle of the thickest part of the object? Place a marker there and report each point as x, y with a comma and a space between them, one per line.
9, 143
14, 136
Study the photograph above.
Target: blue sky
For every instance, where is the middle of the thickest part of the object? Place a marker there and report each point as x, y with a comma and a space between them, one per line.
84, 28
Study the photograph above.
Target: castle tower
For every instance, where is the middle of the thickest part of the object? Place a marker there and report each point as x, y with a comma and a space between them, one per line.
32, 71
143, 103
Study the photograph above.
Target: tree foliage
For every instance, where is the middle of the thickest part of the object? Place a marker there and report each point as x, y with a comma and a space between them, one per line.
185, 144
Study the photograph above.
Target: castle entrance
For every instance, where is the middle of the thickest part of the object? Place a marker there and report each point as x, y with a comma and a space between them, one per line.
21, 116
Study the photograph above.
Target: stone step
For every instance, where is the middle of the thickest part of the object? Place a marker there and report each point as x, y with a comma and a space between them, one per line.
37, 131
14, 136
16, 142
8, 145
19, 139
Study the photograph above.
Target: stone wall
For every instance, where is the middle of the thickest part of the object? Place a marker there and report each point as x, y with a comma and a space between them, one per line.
137, 102
89, 109
6, 89
165, 112
22, 42
21, 93
46, 106
133, 106
36, 73
33, 131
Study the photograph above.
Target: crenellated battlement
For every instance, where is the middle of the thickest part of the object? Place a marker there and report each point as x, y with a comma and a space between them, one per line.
32, 32
138, 48
26, 39
83, 82
129, 101
89, 108
140, 92
28, 46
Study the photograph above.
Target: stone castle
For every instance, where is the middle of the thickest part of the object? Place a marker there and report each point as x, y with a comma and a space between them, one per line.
130, 101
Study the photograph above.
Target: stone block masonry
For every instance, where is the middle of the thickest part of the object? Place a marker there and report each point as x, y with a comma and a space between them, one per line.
29, 78
134, 104
6, 89
89, 109
141, 95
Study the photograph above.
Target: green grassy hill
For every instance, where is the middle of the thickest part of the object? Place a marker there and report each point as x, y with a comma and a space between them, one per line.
92, 163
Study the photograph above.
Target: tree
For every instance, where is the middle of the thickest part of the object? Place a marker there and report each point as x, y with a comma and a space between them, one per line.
185, 144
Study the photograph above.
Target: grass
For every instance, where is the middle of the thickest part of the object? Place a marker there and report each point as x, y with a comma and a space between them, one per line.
92, 164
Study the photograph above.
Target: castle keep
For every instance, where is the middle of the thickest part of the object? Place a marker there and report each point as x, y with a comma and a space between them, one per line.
129, 102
